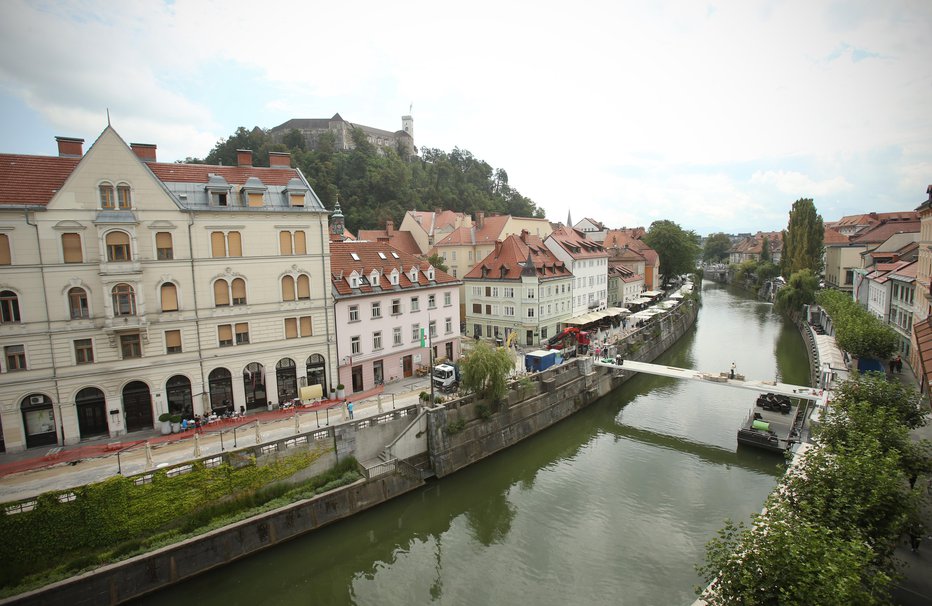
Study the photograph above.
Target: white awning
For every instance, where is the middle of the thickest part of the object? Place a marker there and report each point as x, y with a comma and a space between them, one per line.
651, 293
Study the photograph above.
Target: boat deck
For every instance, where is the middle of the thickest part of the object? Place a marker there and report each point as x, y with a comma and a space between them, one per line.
785, 426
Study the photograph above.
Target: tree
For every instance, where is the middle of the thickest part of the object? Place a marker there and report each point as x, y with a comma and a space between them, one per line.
716, 248
765, 251
437, 261
857, 331
799, 291
678, 249
883, 395
802, 240
485, 370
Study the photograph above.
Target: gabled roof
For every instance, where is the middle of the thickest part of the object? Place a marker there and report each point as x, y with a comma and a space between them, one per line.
576, 245
459, 237
832, 236
886, 228
510, 257
32, 180
491, 231
342, 264
431, 221
400, 240
235, 175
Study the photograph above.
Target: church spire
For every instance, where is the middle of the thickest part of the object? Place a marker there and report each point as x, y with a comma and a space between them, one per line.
336, 220
569, 219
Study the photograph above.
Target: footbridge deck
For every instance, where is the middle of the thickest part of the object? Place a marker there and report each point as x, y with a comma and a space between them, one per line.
786, 389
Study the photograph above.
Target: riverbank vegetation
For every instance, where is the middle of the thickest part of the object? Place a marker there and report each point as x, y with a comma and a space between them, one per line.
677, 248
67, 532
828, 531
857, 331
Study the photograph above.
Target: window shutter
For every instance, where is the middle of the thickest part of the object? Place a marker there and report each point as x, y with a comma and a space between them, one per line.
5, 250
169, 297
256, 200
221, 293
217, 244
239, 289
297, 199
242, 328
163, 239
304, 287
300, 243
172, 338
225, 332
287, 288
291, 328
71, 248
284, 242
235, 244
307, 329
118, 238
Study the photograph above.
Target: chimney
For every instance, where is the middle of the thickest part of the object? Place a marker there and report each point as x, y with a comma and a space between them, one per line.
69, 147
524, 234
244, 157
498, 247
389, 227
279, 159
480, 218
438, 210
144, 151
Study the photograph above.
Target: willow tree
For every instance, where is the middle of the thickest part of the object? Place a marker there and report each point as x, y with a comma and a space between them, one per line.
803, 239
485, 371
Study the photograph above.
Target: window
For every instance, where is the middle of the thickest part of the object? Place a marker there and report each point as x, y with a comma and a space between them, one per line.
415, 332
509, 310
396, 336
172, 341
307, 326
242, 333
284, 243
288, 292
226, 244
163, 246
376, 310
396, 307
221, 293
530, 293
71, 248
5, 257
130, 346
355, 346
530, 312
83, 351
354, 313
9, 307
295, 327
415, 304
118, 246
124, 300
169, 297
225, 335
477, 291
77, 302
477, 308
123, 196
304, 287
431, 301
447, 299
15, 356
106, 195
292, 243
377, 340
239, 291
433, 328
448, 325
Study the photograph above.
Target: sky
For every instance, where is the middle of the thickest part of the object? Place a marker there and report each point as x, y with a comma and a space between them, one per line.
715, 115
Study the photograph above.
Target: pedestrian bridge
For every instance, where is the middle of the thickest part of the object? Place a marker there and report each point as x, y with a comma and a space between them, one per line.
793, 391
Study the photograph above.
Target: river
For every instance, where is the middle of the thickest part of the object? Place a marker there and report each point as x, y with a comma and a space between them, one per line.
612, 506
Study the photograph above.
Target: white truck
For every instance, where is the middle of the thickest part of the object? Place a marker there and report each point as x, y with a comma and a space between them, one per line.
446, 377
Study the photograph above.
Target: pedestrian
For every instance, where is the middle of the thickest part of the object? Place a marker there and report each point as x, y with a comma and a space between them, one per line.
915, 538
892, 365
899, 365
349, 407
732, 374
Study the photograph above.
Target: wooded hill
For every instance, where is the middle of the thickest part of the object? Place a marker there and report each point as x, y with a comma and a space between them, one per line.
375, 186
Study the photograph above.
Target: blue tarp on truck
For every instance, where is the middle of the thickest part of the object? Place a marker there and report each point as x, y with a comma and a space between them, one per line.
870, 364
539, 360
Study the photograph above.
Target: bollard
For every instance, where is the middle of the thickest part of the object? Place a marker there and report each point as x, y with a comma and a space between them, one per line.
297, 423
197, 446
149, 462
258, 435
379, 399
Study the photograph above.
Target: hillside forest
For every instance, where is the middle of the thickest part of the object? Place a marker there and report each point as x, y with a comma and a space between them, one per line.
377, 185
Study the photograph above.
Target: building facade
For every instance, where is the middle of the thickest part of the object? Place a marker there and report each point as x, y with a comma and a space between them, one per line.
311, 129
134, 288
588, 262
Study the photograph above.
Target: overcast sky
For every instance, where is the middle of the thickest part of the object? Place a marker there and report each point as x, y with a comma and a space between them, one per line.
715, 115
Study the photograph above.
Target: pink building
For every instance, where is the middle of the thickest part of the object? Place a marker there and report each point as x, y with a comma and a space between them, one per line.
383, 298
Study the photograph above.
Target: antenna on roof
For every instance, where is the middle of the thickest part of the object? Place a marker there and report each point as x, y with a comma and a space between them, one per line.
108, 116
411, 108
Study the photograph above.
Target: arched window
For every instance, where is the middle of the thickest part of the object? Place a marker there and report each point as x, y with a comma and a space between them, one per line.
169, 297
71, 248
220, 385
288, 293
9, 307
77, 303
123, 196
304, 287
239, 291
118, 246
124, 300
107, 197
5, 257
221, 293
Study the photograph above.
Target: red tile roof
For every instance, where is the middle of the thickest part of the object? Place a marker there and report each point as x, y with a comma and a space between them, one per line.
575, 243
507, 260
401, 240
832, 236
32, 179
886, 228
199, 173
342, 264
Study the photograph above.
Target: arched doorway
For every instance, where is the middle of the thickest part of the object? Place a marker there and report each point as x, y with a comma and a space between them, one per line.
254, 383
137, 405
220, 385
92, 412
287, 376
178, 396
317, 372
39, 420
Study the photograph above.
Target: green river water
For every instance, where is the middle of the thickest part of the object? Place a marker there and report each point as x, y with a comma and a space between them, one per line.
611, 506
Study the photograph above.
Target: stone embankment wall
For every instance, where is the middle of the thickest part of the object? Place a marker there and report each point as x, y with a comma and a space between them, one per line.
463, 432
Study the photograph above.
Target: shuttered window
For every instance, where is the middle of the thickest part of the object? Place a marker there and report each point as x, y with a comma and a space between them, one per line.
225, 335
218, 247
291, 328
71, 248
163, 246
239, 291
5, 257
300, 243
118, 246
304, 287
221, 293
284, 242
172, 341
256, 200
297, 199
307, 328
242, 333
169, 297
235, 244
287, 288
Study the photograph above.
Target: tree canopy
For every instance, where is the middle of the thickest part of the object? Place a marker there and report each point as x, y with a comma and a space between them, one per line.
802, 240
800, 290
375, 185
485, 371
677, 248
857, 331
716, 248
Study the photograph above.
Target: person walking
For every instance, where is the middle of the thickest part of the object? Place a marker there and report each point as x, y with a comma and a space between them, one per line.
899, 365
349, 408
732, 374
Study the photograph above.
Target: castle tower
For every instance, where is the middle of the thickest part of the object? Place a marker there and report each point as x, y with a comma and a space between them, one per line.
407, 125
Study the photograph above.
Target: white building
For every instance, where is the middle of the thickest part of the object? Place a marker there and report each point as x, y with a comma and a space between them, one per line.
588, 262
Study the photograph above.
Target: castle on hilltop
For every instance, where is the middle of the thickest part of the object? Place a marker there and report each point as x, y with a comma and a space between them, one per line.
401, 141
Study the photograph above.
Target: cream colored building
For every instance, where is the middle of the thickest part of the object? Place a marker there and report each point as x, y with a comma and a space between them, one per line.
131, 288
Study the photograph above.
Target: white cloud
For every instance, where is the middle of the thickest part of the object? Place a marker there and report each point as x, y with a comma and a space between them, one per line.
800, 185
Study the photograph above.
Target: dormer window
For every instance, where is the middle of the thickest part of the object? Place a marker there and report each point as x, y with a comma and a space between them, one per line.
393, 277
374, 277
430, 273
354, 281
218, 191
413, 275
295, 190
254, 192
